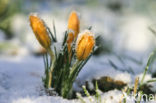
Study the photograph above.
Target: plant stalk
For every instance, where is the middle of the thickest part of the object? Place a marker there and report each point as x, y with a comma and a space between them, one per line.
52, 57
74, 67
68, 84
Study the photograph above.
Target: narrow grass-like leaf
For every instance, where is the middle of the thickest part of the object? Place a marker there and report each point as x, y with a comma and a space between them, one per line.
65, 38
97, 95
153, 80
149, 62
87, 93
80, 98
54, 31
113, 65
129, 69
141, 93
55, 52
152, 30
51, 34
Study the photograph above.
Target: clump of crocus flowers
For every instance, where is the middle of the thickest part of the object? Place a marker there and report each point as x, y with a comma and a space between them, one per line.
63, 67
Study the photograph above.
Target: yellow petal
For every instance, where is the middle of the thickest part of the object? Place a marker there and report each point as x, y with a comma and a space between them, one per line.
74, 23
85, 44
40, 31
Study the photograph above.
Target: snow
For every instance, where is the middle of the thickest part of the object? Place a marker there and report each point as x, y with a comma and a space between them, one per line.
113, 96
43, 99
94, 69
147, 77
20, 79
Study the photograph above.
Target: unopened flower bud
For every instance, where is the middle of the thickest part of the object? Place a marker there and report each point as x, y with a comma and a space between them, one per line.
73, 25
84, 45
73, 30
40, 31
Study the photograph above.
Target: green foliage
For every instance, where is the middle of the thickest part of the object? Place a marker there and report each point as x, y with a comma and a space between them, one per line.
80, 98
142, 86
94, 99
63, 69
149, 63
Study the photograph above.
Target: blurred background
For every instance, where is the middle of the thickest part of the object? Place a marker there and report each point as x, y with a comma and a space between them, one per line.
124, 25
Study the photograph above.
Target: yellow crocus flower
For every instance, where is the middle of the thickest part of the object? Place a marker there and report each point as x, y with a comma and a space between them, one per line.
40, 31
84, 45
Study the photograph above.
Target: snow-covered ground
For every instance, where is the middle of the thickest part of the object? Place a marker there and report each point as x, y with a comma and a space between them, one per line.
20, 79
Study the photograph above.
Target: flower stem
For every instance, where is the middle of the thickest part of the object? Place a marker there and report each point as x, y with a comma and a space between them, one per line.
74, 67
68, 84
52, 57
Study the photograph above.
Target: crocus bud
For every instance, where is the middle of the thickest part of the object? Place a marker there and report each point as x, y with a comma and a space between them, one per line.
73, 30
73, 25
84, 45
40, 31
